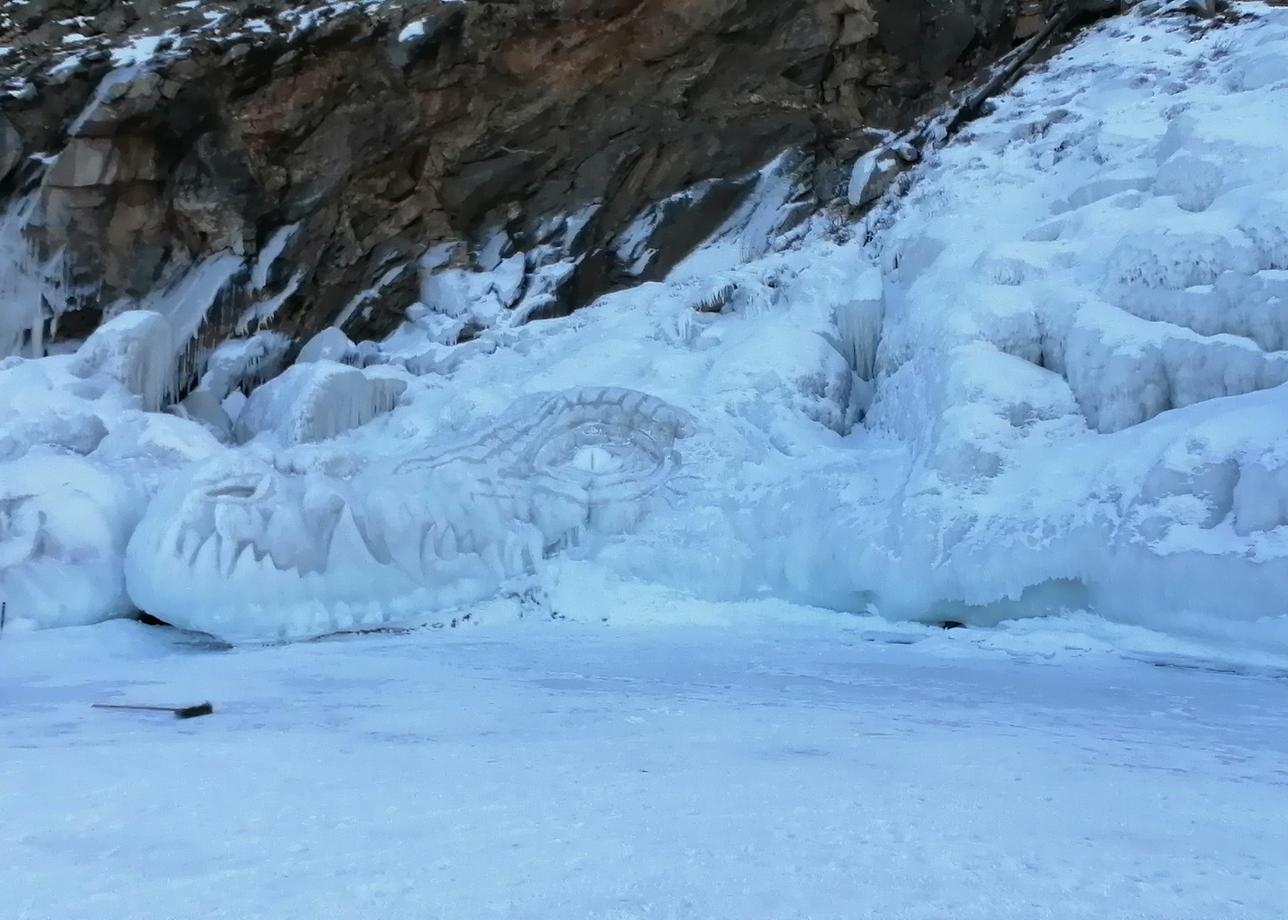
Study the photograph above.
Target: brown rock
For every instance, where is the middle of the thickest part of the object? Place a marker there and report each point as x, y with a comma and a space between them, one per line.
10, 148
385, 130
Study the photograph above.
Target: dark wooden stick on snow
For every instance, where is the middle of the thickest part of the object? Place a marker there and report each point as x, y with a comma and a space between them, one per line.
180, 712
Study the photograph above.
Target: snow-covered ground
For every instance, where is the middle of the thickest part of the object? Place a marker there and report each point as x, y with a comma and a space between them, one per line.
761, 763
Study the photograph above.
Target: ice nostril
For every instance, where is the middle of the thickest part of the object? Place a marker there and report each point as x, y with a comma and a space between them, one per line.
238, 492
242, 489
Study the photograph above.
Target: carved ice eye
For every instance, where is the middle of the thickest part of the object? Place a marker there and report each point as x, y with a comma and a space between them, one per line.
612, 462
595, 460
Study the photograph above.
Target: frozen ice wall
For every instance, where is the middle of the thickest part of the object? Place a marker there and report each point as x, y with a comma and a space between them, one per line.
1048, 375
21, 283
1071, 368
1083, 344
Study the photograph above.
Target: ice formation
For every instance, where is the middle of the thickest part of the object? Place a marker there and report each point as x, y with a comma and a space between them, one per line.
1049, 374
315, 401
19, 297
1071, 370
79, 459
1082, 349
64, 523
136, 350
247, 549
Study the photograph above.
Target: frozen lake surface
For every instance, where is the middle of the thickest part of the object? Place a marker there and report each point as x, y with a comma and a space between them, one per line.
775, 763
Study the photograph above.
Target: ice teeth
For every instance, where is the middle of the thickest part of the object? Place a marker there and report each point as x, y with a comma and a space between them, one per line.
347, 545
282, 537
446, 545
373, 541
206, 559
189, 546
428, 552
228, 549
406, 554
247, 567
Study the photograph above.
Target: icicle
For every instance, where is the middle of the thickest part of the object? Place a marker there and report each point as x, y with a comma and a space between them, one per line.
22, 282
135, 348
38, 333
187, 305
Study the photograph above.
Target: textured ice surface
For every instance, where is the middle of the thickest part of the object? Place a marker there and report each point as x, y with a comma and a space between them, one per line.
1074, 365
64, 524
136, 350
314, 401
79, 458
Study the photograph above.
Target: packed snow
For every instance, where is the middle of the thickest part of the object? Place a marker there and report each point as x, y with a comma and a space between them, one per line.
1045, 375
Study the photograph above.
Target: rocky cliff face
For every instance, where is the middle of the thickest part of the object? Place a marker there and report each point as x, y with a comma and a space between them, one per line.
260, 164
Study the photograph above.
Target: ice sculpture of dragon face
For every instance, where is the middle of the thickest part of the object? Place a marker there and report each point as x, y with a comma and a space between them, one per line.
244, 549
